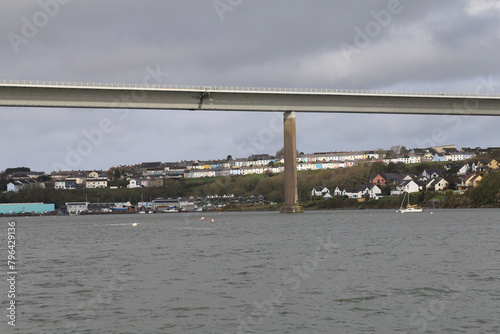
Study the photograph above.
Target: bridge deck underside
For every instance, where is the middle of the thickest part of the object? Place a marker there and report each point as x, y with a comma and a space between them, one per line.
123, 98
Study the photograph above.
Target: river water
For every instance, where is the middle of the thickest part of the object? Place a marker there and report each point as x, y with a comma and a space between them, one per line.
317, 272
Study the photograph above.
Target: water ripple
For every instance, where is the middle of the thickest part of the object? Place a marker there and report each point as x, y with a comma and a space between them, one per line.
261, 273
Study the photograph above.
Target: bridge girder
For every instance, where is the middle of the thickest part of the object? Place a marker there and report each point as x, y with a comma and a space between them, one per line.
205, 98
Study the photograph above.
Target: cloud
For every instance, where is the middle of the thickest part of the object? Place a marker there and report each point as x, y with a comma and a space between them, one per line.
427, 46
483, 7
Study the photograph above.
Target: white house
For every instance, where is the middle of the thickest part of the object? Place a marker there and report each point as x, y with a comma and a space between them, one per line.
406, 186
438, 184
241, 163
235, 171
143, 183
60, 185
343, 191
96, 183
263, 162
467, 154
65, 184
201, 173
430, 174
275, 170
321, 192
154, 172
18, 185
413, 159
96, 175
133, 183
372, 191
14, 186
467, 168
305, 166
441, 184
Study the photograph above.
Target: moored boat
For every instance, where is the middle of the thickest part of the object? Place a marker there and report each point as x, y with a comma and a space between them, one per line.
409, 208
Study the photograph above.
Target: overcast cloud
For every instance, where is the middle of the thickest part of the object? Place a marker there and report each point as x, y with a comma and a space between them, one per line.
440, 46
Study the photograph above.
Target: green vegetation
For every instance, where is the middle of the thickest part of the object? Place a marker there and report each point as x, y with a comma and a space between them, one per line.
487, 193
492, 155
271, 187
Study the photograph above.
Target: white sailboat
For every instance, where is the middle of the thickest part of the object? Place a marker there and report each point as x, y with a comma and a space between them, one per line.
409, 208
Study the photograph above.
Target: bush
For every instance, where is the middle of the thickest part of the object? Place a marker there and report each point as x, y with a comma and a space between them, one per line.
485, 194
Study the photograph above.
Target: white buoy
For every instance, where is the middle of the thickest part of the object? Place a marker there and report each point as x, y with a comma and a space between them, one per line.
134, 224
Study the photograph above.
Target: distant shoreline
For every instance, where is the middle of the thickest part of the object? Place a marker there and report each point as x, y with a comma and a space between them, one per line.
242, 210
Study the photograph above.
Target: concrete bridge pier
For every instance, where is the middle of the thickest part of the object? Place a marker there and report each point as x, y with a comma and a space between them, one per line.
290, 145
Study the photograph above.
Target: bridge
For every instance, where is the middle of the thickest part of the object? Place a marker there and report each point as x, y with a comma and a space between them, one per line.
38, 94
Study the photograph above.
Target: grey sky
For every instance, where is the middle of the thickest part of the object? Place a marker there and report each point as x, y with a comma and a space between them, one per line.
446, 46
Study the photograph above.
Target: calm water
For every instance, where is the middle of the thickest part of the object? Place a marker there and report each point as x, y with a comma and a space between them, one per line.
321, 272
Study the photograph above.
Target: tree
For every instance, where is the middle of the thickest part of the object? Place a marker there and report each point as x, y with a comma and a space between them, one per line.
386, 190
421, 167
43, 178
496, 155
391, 167
396, 149
111, 173
229, 157
398, 167
380, 152
487, 191
17, 170
281, 153
378, 168
403, 151
401, 167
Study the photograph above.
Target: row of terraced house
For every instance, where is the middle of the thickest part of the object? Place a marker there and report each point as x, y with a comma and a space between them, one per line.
152, 174
259, 164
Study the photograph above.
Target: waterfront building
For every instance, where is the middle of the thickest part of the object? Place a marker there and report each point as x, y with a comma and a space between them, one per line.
77, 207
17, 208
165, 205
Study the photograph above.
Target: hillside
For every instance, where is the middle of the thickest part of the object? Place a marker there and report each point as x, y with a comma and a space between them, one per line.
271, 187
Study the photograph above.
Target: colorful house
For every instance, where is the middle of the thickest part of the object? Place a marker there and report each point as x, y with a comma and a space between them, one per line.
470, 181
